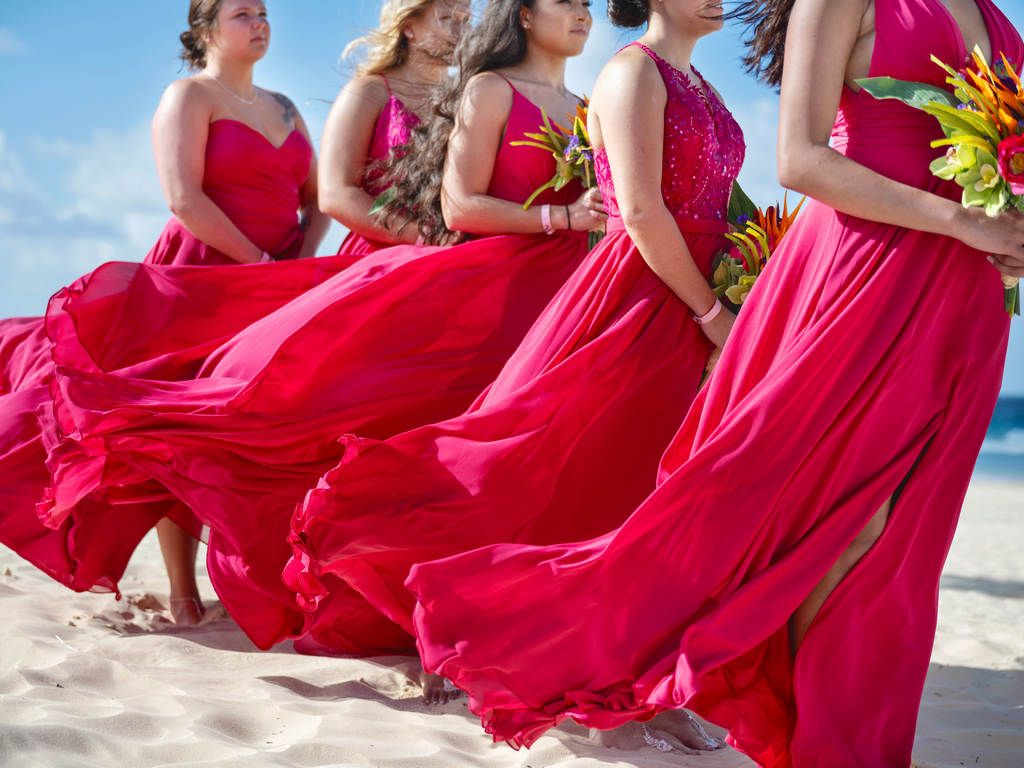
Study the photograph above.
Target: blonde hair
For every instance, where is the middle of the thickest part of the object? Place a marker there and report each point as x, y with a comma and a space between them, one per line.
387, 45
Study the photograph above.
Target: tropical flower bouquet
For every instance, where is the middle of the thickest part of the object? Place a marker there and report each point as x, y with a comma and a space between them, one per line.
760, 232
983, 123
573, 153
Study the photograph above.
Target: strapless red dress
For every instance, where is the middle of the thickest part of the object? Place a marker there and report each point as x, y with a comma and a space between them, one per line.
406, 336
865, 365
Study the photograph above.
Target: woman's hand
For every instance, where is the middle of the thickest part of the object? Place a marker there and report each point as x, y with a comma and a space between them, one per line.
718, 329
1002, 236
587, 213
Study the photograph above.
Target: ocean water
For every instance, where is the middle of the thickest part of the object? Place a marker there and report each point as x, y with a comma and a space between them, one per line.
1002, 454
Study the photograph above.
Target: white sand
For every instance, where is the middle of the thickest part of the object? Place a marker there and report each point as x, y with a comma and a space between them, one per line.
87, 681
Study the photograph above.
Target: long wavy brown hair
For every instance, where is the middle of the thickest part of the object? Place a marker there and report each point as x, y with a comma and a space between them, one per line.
414, 178
767, 21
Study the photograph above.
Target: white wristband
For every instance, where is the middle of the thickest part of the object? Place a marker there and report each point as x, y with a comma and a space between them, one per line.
545, 219
710, 315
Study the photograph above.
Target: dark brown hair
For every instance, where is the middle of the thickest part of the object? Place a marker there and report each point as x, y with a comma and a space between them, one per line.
202, 18
767, 21
629, 13
415, 177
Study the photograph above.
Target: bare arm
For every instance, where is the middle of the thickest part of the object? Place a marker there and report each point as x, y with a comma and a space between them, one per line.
629, 110
820, 39
472, 151
348, 134
313, 222
180, 131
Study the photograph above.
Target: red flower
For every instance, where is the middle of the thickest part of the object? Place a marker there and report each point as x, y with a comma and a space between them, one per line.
1011, 162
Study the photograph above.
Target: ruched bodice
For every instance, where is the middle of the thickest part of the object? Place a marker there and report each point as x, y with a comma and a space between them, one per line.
907, 34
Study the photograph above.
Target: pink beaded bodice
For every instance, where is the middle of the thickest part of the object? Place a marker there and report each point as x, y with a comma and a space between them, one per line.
703, 150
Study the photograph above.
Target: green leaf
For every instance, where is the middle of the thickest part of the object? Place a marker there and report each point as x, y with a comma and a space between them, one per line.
957, 118
381, 201
913, 94
739, 205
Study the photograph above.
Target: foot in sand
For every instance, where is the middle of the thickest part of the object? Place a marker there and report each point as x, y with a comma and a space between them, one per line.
186, 611
434, 689
687, 729
664, 737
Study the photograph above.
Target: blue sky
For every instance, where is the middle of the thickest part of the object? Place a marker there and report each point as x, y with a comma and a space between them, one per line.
79, 83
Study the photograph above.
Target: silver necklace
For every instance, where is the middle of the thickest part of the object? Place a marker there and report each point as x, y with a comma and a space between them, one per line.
249, 102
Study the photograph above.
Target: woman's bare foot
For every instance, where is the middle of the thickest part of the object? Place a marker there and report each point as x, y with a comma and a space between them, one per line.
687, 729
634, 736
179, 552
434, 689
187, 611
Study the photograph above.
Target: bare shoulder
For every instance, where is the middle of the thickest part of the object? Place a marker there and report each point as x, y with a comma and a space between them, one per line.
370, 88
628, 73
860, 12
490, 85
189, 89
189, 96
488, 91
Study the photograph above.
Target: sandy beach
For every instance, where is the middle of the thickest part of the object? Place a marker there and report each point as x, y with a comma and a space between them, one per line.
89, 681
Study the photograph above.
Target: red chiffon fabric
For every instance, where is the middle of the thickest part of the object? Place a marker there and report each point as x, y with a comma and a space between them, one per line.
852, 373
393, 130
566, 441
408, 335
254, 183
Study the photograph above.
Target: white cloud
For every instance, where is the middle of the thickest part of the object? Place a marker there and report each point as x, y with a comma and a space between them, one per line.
9, 43
104, 204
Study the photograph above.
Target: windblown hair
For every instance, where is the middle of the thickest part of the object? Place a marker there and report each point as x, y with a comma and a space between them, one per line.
387, 46
767, 21
415, 177
202, 18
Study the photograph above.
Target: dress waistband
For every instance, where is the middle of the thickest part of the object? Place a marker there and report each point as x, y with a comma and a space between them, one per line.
685, 224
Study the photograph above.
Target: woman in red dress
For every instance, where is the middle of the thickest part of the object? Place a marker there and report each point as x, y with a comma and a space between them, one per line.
782, 580
405, 336
374, 115
566, 441
237, 168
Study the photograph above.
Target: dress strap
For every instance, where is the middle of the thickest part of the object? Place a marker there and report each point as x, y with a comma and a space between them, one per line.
386, 83
643, 48
514, 89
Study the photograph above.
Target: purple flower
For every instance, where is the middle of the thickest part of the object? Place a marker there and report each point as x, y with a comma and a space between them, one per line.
572, 147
